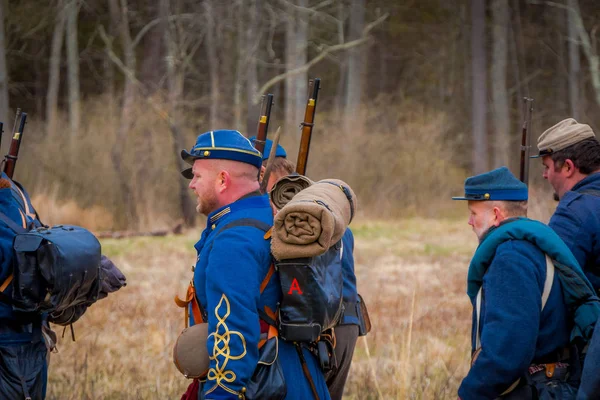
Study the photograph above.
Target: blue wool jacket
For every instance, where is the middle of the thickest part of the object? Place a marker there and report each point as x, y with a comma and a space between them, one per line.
230, 267
349, 292
577, 221
590, 379
514, 332
11, 330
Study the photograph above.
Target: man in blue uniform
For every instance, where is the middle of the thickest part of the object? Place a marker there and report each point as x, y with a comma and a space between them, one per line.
570, 153
23, 353
233, 260
521, 321
26, 338
347, 331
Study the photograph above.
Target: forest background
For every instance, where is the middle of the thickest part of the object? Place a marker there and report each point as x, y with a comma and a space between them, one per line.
427, 89
416, 96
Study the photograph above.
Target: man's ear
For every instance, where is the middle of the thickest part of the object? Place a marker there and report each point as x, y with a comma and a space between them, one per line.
223, 181
262, 173
569, 167
498, 215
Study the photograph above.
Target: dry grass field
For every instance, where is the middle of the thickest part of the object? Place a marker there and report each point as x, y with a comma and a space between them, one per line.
411, 273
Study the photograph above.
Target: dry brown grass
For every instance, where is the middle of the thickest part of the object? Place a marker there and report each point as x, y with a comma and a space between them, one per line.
401, 164
411, 273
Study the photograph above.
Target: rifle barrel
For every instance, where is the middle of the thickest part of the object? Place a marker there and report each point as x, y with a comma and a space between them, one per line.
525, 142
263, 122
10, 160
307, 126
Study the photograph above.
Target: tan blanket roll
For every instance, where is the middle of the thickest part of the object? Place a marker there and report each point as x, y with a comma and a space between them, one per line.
313, 220
286, 188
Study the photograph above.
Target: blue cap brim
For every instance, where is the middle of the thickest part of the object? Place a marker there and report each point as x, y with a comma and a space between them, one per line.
460, 198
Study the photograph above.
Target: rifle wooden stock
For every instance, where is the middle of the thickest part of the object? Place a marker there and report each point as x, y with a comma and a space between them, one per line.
525, 146
307, 126
10, 160
263, 122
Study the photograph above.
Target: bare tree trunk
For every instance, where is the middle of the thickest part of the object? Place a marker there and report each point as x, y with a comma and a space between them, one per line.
72, 10
109, 71
175, 77
341, 83
560, 83
3, 68
251, 67
499, 92
574, 62
355, 65
40, 56
58, 37
129, 92
290, 63
151, 66
479, 95
301, 58
213, 63
239, 75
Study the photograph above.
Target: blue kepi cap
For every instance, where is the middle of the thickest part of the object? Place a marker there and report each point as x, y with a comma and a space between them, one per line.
223, 145
280, 152
498, 184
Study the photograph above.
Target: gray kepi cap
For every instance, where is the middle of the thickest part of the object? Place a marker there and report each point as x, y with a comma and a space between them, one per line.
562, 135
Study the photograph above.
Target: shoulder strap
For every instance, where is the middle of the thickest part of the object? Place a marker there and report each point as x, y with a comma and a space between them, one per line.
545, 295
29, 211
12, 224
255, 223
548, 282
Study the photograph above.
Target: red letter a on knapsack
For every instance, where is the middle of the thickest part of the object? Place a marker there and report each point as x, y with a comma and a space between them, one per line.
295, 286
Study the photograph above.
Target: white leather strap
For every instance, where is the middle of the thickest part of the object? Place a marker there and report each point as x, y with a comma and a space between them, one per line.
478, 315
548, 282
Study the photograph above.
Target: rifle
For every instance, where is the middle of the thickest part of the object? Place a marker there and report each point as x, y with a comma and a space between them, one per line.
263, 122
10, 160
269, 167
307, 125
525, 146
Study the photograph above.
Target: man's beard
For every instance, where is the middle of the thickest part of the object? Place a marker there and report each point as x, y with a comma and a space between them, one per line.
206, 205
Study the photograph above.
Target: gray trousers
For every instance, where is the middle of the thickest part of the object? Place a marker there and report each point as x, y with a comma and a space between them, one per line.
345, 336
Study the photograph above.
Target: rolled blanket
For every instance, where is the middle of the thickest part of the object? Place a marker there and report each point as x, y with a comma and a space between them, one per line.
313, 221
286, 188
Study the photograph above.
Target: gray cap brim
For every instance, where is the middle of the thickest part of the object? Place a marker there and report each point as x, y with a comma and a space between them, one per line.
187, 173
188, 157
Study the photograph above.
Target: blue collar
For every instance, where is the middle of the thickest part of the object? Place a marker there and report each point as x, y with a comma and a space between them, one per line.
250, 200
592, 179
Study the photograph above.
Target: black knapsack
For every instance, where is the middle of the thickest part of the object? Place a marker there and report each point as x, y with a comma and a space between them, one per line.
54, 268
312, 290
